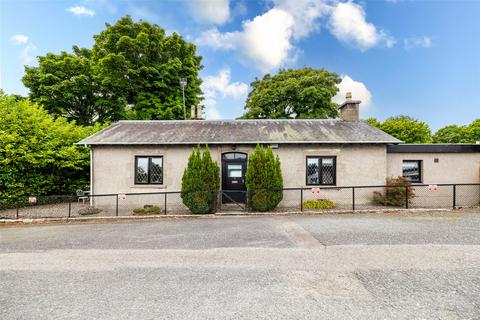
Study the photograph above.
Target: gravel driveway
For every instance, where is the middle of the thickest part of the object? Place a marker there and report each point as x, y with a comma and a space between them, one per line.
288, 267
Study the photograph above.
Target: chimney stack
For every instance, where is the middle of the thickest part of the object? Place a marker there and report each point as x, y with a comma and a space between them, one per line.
349, 110
197, 113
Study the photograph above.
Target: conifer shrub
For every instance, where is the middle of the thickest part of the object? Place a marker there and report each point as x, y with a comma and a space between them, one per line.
200, 182
264, 180
398, 189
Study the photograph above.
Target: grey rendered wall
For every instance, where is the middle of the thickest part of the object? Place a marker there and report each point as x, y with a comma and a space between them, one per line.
450, 168
113, 170
113, 167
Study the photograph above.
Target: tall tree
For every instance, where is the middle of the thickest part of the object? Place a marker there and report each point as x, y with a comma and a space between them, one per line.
452, 134
301, 93
405, 128
474, 131
132, 71
64, 85
459, 134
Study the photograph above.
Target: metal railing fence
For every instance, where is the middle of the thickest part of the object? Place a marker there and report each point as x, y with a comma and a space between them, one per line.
321, 198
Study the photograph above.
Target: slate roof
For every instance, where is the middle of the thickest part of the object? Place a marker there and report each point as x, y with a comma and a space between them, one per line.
238, 132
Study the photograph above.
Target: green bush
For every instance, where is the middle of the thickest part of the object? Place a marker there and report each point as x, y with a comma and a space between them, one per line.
200, 182
395, 193
319, 204
147, 210
264, 180
89, 211
37, 152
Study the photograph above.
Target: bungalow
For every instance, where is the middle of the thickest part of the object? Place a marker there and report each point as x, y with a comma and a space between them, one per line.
150, 156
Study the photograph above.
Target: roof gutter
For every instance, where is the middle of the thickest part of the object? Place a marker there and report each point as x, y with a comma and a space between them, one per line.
236, 142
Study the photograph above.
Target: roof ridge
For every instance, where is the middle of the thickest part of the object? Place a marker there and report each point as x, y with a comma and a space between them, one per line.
226, 120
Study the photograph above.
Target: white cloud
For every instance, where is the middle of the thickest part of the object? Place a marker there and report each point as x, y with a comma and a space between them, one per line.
28, 54
19, 39
211, 109
213, 85
210, 11
349, 25
267, 39
81, 11
306, 14
220, 86
358, 89
218, 40
413, 42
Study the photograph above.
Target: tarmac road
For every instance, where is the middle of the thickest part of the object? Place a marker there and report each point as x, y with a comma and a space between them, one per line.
420, 266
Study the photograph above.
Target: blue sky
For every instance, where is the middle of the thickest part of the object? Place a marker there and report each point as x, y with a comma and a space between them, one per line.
419, 58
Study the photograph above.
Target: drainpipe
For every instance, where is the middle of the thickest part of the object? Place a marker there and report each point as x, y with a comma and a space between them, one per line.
91, 175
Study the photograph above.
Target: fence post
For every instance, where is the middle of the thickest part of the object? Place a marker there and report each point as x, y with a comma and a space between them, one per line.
353, 198
69, 206
406, 197
165, 204
214, 201
454, 196
246, 202
301, 199
16, 214
116, 206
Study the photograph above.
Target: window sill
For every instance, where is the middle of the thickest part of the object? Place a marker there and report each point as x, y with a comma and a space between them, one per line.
320, 186
148, 186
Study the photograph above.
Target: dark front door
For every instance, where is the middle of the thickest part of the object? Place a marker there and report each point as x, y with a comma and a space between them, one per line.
234, 165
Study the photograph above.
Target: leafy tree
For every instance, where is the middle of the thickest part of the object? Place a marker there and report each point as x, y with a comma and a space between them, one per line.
200, 182
474, 131
374, 122
405, 128
37, 152
139, 62
132, 71
264, 179
64, 85
452, 134
301, 93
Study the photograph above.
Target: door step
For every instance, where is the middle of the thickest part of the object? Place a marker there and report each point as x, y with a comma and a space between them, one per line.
232, 207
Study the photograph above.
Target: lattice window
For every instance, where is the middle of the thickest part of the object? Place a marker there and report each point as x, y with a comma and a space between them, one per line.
141, 170
412, 170
148, 170
313, 174
156, 170
321, 170
328, 170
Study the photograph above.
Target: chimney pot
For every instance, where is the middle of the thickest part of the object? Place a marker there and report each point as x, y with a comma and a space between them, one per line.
348, 96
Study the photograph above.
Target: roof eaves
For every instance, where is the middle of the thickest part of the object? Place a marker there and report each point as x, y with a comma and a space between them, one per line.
240, 142
83, 141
